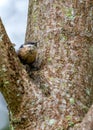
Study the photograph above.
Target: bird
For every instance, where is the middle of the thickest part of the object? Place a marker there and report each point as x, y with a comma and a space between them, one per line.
27, 53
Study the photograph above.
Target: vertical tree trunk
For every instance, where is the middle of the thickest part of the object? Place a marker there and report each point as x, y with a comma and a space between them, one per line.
64, 30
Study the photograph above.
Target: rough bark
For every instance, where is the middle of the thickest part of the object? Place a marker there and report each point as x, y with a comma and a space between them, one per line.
14, 83
9, 70
64, 31
87, 122
58, 95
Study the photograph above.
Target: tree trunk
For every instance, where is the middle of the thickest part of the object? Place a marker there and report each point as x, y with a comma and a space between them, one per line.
65, 34
58, 95
14, 81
